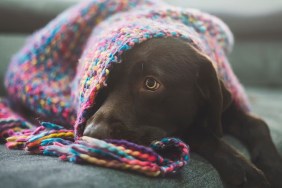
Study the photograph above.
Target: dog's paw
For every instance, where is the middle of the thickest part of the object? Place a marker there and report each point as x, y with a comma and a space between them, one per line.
246, 177
273, 172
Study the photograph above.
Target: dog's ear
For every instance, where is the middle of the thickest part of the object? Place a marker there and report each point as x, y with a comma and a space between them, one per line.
216, 97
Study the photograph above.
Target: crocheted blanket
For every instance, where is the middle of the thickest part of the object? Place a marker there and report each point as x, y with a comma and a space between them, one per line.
62, 67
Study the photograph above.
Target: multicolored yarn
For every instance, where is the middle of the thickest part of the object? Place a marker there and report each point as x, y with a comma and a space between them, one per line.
63, 66
10, 122
54, 140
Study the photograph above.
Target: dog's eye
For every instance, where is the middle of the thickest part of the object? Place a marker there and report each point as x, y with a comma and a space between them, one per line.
151, 84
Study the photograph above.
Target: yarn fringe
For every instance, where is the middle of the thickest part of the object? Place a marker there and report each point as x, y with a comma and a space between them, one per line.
54, 140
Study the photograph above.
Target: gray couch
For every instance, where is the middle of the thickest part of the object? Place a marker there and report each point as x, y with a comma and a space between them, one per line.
256, 60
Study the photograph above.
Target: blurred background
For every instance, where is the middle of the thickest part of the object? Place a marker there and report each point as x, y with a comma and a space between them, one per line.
256, 24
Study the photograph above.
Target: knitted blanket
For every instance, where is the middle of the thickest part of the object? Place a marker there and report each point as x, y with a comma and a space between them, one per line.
58, 73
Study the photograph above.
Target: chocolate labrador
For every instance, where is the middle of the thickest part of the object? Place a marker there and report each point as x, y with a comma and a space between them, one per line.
165, 87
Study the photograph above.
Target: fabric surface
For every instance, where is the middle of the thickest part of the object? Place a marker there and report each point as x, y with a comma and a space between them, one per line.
21, 170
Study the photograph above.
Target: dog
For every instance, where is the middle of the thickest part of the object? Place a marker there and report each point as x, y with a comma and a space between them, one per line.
163, 87
169, 88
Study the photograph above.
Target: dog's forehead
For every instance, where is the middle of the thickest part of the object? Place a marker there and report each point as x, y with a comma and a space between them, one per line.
159, 50
165, 58
159, 46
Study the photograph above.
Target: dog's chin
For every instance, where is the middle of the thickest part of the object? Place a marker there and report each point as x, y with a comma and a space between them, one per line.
143, 136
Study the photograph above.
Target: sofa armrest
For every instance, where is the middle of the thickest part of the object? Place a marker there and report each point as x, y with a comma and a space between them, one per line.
26, 16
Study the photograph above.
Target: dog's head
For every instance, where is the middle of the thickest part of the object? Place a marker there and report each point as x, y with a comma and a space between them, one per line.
163, 87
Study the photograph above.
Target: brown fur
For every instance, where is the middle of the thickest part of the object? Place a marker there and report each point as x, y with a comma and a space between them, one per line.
190, 103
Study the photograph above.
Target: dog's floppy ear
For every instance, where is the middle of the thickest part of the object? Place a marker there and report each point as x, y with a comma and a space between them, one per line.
216, 97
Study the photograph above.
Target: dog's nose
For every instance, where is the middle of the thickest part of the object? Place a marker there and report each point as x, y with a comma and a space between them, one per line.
104, 130
99, 131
